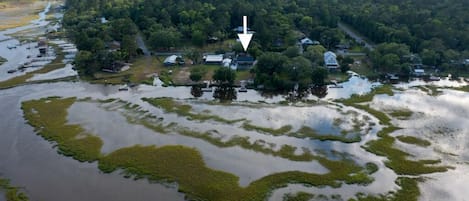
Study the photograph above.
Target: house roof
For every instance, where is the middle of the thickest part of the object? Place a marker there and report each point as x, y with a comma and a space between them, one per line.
171, 59
330, 59
419, 70
214, 58
307, 41
245, 59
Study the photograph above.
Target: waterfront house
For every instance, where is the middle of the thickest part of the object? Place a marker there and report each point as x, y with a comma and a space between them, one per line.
330, 60
419, 72
173, 60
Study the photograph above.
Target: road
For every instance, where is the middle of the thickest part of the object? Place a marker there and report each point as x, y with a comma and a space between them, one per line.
141, 45
355, 35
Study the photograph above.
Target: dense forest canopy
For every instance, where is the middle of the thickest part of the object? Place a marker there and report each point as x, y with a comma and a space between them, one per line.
436, 31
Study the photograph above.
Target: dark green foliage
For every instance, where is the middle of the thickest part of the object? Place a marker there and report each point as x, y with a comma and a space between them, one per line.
12, 193
319, 76
224, 76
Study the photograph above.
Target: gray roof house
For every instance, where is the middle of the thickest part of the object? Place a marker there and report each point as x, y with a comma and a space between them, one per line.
330, 60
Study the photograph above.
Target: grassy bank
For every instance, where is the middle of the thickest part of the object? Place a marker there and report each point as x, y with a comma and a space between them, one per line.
397, 159
185, 166
2, 60
174, 163
402, 114
171, 106
409, 192
49, 118
12, 193
300, 196
414, 140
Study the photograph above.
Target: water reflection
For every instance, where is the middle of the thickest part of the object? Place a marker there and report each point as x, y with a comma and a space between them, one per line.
196, 91
319, 91
225, 93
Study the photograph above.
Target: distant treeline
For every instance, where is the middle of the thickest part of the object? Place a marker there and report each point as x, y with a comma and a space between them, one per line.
436, 31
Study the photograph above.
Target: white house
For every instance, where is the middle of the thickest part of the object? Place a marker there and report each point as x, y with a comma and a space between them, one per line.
306, 41
213, 59
330, 60
171, 60
419, 72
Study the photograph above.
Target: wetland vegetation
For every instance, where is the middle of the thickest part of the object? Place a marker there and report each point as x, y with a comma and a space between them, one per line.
181, 164
12, 193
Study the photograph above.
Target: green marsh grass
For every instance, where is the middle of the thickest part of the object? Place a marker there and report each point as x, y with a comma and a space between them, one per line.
176, 163
300, 196
171, 106
397, 159
49, 118
414, 140
12, 193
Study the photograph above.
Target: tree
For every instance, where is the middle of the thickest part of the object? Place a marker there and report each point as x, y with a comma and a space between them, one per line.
129, 45
225, 77
306, 24
315, 54
198, 38
164, 37
84, 61
194, 55
197, 73
318, 76
292, 51
345, 64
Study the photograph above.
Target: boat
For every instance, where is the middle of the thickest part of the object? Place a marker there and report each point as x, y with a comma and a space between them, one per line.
208, 89
243, 89
123, 88
12, 71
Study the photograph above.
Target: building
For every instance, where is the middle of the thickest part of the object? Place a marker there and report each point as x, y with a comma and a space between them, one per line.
240, 29
244, 62
42, 45
307, 42
173, 60
419, 72
330, 60
214, 59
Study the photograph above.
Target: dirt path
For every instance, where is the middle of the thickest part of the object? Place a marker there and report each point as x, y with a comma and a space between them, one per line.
356, 35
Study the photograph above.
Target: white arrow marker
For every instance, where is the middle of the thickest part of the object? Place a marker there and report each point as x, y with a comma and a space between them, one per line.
245, 37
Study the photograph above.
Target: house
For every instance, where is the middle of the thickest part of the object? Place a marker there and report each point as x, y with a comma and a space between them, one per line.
307, 42
466, 62
419, 72
214, 59
393, 78
330, 60
173, 60
244, 62
227, 62
240, 29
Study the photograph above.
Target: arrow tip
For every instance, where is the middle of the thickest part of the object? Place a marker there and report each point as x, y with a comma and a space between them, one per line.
245, 40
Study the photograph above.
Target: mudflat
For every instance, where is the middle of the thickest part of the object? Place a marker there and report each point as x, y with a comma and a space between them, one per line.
19, 13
